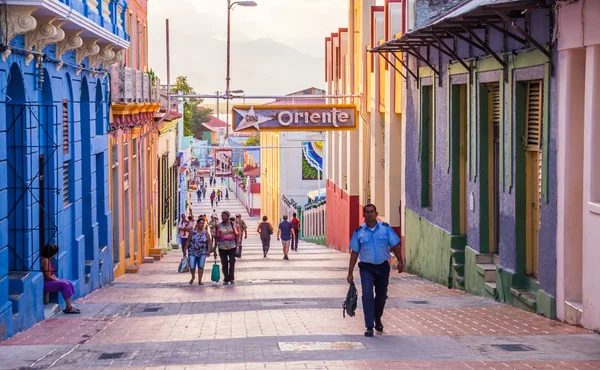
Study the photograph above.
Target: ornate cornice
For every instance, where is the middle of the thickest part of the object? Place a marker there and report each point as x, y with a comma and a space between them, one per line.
105, 54
19, 21
89, 47
71, 41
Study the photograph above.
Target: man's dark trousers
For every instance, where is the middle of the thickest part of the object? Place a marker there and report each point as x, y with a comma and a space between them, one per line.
295, 240
378, 277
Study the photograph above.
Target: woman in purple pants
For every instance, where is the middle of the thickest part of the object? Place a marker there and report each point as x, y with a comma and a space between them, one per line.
54, 284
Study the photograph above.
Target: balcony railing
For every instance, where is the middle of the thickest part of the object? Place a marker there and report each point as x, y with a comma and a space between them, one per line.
131, 86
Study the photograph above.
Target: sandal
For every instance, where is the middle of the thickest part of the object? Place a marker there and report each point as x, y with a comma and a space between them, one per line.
71, 310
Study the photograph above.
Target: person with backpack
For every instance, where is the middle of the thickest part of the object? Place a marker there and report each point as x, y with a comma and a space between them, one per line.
265, 230
371, 243
296, 226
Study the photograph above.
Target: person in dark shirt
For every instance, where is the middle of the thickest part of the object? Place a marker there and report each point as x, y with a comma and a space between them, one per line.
285, 233
296, 225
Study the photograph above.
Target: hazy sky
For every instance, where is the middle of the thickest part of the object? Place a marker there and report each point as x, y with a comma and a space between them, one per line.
299, 24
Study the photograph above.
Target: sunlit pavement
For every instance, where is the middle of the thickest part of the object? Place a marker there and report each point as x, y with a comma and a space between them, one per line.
287, 314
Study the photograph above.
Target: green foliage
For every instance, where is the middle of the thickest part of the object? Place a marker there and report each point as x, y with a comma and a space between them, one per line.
193, 118
253, 141
152, 76
309, 172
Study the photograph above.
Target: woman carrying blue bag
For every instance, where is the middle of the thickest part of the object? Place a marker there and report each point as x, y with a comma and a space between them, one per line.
197, 248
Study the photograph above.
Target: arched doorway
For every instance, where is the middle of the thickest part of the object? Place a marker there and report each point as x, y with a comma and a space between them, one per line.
86, 178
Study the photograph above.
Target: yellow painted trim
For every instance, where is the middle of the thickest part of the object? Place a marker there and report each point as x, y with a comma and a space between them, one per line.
425, 71
456, 69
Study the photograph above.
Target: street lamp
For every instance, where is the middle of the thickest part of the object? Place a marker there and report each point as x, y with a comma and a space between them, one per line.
230, 6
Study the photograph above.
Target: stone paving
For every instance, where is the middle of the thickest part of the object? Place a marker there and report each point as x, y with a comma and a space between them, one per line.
288, 315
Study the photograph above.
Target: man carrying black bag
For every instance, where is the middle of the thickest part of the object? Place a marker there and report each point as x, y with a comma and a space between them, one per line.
372, 242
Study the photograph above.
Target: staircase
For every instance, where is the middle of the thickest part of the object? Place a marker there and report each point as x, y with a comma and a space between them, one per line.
486, 267
458, 258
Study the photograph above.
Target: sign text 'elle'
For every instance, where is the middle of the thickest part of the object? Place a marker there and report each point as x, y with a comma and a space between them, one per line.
320, 117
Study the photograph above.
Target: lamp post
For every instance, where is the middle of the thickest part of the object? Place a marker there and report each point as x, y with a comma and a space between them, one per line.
230, 6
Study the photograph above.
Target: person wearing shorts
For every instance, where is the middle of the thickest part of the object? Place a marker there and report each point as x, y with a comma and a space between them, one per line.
285, 233
196, 249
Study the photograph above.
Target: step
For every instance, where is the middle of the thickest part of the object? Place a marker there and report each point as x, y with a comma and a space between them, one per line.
490, 288
459, 268
524, 298
15, 281
132, 269
88, 266
488, 270
461, 281
87, 279
156, 256
459, 255
154, 251
484, 258
50, 309
15, 298
573, 312
148, 260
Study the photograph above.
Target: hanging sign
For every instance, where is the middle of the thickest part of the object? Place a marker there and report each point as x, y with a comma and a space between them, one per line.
319, 117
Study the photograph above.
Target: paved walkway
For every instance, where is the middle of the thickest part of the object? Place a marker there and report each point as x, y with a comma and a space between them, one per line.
287, 314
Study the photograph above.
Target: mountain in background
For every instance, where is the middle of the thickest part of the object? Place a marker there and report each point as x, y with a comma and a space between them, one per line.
259, 67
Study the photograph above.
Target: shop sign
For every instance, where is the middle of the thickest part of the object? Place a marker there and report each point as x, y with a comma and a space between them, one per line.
320, 117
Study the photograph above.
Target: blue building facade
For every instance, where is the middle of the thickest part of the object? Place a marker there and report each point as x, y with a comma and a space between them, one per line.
54, 119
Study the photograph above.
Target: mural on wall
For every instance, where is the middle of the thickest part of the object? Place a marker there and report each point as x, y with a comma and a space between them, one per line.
312, 160
223, 162
251, 162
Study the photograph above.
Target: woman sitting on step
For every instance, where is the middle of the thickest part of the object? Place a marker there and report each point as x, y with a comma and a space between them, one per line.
54, 284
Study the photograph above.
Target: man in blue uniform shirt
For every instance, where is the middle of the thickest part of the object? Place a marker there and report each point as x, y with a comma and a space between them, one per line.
371, 243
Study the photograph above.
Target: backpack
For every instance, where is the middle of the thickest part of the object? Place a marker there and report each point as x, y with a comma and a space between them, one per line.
349, 305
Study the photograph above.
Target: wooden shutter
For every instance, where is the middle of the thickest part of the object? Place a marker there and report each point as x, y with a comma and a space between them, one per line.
65, 125
494, 89
534, 115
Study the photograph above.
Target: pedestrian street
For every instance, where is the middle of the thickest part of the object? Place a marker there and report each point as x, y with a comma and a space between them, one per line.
287, 314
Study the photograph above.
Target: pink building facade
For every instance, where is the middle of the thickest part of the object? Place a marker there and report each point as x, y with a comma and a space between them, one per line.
578, 234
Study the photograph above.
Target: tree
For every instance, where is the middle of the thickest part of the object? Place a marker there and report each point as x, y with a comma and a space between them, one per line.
253, 140
181, 85
192, 116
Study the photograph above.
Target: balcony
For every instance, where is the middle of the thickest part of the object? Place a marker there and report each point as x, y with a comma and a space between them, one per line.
129, 86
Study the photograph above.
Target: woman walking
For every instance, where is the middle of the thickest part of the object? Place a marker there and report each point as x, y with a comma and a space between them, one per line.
226, 242
196, 249
54, 284
265, 230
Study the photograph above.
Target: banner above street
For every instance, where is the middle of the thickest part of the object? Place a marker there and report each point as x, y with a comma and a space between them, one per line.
314, 117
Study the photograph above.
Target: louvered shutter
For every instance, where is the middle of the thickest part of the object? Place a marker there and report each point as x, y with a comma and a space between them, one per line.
65, 126
65, 184
534, 115
496, 109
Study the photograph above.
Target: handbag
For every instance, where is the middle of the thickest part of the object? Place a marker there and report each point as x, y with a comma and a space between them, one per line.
184, 265
349, 305
215, 274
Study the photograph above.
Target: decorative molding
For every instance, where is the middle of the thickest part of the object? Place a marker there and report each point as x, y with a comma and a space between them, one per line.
93, 6
71, 41
46, 32
89, 47
19, 21
120, 17
105, 54
106, 10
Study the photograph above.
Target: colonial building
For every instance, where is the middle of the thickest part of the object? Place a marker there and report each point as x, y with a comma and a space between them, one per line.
133, 145
480, 177
366, 165
54, 157
578, 126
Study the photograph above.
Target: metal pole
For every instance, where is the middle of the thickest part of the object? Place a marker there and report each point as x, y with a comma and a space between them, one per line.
227, 93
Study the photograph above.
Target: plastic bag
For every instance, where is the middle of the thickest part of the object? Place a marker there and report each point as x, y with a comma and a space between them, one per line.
216, 272
184, 265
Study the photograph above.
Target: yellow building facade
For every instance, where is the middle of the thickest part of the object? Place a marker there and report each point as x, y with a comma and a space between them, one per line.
270, 177
366, 165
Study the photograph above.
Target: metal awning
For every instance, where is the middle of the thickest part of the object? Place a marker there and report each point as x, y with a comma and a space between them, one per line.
459, 23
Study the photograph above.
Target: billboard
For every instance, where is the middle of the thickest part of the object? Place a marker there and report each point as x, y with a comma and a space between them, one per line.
223, 162
314, 117
312, 160
252, 162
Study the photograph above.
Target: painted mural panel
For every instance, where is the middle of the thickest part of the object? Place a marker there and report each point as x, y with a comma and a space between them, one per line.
252, 162
223, 162
312, 160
